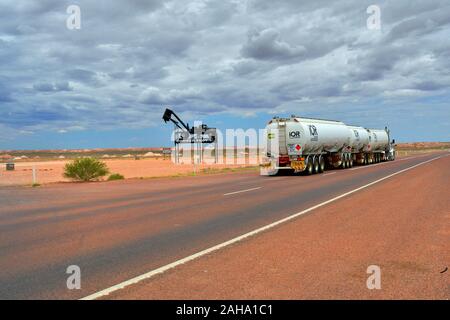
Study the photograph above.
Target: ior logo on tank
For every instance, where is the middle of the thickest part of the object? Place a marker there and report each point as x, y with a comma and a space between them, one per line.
294, 134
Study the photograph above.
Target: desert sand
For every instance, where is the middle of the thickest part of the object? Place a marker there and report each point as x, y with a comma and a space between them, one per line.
52, 171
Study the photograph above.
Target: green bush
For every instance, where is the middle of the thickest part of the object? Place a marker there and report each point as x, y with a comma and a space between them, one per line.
85, 169
116, 176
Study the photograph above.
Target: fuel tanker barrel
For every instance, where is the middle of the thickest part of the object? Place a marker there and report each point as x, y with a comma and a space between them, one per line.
360, 139
379, 140
307, 135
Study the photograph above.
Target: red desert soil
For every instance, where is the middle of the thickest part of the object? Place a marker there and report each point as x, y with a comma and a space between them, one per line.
52, 171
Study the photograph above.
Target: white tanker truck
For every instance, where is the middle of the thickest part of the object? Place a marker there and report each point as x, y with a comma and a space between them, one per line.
311, 145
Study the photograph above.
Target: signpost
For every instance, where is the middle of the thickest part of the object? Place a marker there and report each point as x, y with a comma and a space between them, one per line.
34, 175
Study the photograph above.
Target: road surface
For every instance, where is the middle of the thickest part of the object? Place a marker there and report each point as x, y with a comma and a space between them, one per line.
121, 230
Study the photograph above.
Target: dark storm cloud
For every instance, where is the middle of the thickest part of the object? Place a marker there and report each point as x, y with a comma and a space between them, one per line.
52, 87
131, 58
81, 75
267, 45
429, 86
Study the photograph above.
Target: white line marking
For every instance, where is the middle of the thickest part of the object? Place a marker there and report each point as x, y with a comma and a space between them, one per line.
275, 179
412, 157
240, 191
330, 173
369, 166
387, 162
237, 239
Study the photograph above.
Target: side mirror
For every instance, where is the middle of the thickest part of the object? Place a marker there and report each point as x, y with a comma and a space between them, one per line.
393, 141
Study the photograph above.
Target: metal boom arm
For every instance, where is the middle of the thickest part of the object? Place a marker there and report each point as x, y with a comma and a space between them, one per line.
168, 117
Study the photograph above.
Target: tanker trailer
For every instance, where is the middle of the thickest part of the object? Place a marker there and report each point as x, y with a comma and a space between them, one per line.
360, 143
306, 145
310, 145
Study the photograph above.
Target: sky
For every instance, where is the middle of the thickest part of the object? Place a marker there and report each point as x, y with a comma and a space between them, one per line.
230, 64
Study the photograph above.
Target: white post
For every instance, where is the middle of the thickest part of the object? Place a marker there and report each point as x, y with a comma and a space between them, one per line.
34, 175
195, 156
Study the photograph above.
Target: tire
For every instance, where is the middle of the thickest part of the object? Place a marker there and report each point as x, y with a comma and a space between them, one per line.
351, 162
316, 165
321, 164
309, 167
344, 162
273, 173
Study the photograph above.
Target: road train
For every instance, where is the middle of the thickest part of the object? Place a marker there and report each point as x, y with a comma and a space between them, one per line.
311, 145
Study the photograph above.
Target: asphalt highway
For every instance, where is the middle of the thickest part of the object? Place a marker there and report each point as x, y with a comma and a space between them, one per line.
117, 231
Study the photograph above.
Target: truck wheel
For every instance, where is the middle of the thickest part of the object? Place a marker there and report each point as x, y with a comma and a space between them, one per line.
316, 165
351, 162
321, 164
309, 167
343, 162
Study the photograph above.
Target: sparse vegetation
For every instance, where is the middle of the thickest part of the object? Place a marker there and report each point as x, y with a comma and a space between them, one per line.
116, 176
34, 185
44, 155
85, 169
